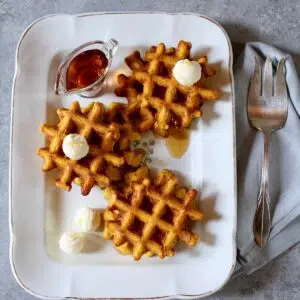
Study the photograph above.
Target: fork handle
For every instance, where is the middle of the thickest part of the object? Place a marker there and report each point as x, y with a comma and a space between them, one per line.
262, 219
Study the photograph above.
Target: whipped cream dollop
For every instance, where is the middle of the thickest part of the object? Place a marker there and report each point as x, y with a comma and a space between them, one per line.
89, 219
75, 146
71, 242
187, 72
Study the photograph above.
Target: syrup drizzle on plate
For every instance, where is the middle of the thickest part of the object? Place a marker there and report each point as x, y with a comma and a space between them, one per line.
178, 141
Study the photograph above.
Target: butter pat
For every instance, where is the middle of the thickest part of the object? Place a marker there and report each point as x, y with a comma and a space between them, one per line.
88, 219
71, 242
187, 72
75, 146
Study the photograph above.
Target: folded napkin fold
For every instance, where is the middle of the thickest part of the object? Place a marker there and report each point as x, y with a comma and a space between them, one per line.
284, 169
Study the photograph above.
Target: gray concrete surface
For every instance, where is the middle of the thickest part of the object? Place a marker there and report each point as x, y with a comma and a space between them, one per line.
276, 22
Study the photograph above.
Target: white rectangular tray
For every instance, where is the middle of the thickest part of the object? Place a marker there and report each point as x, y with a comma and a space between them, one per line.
40, 212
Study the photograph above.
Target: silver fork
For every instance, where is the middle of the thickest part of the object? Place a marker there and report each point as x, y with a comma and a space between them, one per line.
267, 112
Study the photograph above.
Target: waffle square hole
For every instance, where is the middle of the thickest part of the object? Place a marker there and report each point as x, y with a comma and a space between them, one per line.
118, 117
159, 91
137, 226
168, 216
138, 87
147, 205
158, 236
180, 97
163, 70
94, 138
136, 117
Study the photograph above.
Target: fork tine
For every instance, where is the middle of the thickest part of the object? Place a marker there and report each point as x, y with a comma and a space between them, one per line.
280, 83
267, 78
255, 84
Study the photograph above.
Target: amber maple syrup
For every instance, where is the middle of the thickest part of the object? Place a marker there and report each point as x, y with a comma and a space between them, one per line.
178, 141
86, 68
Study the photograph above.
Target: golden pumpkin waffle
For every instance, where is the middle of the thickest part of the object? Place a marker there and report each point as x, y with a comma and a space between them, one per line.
148, 217
109, 155
156, 101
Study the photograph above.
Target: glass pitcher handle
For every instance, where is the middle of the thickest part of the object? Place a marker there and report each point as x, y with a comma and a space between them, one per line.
112, 46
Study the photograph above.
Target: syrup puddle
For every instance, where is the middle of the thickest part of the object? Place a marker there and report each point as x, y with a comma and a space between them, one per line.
178, 141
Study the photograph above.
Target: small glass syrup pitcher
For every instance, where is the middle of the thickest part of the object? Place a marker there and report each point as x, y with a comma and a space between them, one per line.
84, 70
